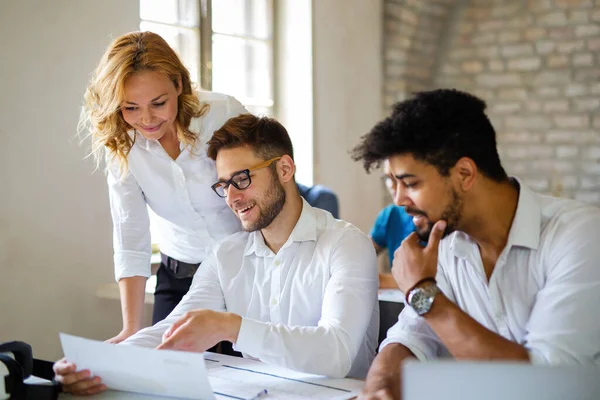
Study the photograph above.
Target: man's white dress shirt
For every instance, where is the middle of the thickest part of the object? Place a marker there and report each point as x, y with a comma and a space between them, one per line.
190, 218
544, 292
311, 307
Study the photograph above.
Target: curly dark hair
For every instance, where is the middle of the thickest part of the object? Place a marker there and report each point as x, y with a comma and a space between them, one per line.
437, 127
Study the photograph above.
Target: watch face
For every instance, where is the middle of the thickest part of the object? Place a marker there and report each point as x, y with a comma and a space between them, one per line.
421, 298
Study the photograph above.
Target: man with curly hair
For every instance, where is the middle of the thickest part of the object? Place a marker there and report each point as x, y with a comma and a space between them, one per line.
506, 274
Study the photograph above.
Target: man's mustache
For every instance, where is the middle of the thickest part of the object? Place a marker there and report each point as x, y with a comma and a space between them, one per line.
415, 211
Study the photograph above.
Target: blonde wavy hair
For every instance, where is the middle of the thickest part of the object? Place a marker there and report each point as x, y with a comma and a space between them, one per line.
101, 118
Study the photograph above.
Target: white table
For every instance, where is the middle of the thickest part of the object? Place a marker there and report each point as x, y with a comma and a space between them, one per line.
231, 375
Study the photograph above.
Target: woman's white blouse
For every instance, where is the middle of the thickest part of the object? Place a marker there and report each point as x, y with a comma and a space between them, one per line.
188, 216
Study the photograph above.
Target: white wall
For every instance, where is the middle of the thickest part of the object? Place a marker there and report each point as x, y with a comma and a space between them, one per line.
55, 228
347, 100
294, 94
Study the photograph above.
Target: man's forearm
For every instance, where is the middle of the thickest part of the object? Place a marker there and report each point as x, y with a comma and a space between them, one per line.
465, 338
385, 372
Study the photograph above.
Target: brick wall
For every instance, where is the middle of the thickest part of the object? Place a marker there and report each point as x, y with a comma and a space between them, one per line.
413, 35
535, 62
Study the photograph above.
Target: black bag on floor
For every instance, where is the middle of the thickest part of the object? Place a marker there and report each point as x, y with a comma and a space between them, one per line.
16, 365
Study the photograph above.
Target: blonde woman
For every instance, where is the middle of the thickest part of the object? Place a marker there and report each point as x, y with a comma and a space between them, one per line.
145, 119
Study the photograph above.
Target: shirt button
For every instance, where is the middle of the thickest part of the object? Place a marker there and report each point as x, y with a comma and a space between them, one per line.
273, 301
277, 263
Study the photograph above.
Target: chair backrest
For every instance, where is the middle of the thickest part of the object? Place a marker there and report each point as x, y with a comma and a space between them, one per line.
321, 197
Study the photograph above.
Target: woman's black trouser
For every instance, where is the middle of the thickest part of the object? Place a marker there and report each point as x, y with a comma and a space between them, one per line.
173, 280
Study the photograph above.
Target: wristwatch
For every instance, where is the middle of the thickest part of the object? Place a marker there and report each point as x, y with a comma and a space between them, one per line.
421, 297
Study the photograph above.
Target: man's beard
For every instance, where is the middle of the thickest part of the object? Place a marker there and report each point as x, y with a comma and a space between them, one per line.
270, 206
452, 215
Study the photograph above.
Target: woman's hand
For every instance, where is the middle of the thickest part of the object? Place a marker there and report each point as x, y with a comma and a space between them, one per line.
124, 334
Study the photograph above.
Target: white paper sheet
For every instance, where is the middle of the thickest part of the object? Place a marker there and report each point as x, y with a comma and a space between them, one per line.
139, 369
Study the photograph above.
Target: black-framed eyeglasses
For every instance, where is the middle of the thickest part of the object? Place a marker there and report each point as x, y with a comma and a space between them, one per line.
240, 180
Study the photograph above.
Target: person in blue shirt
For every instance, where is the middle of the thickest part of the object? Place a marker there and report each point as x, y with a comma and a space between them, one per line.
392, 225
321, 197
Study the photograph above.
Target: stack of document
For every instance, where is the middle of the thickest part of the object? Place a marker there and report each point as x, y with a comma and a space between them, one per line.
141, 373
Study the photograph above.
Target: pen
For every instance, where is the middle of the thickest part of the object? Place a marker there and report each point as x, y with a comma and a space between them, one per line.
259, 395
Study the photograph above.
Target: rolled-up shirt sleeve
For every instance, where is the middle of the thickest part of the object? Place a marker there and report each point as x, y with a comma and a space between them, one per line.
349, 307
131, 225
564, 324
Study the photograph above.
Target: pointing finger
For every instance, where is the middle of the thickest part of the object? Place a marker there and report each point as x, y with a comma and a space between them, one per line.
174, 340
436, 235
174, 326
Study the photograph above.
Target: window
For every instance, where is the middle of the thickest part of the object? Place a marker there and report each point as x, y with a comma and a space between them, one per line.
226, 44
177, 21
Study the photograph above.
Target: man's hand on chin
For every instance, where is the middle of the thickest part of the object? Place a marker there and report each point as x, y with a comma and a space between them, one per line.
200, 330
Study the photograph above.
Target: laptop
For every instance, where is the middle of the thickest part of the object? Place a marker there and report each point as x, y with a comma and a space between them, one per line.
459, 380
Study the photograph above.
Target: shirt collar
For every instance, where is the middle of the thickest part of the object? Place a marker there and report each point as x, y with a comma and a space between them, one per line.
139, 139
524, 231
150, 145
305, 230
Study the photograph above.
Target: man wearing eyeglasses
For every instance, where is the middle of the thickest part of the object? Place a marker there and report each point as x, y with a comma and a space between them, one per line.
297, 288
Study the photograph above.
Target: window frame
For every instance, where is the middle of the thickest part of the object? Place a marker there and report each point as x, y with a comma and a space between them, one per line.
204, 33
